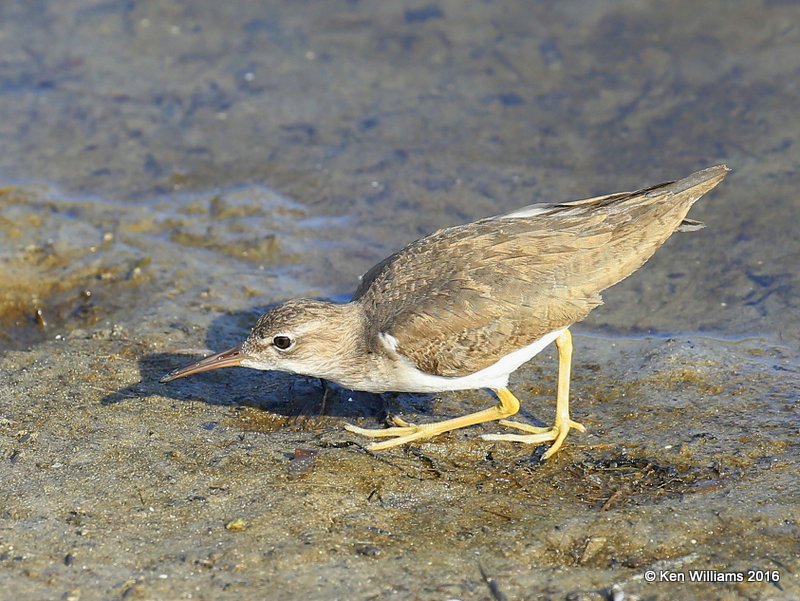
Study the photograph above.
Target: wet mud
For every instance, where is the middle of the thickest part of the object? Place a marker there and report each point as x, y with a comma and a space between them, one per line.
171, 170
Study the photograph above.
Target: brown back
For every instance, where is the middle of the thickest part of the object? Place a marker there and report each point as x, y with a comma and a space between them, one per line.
460, 299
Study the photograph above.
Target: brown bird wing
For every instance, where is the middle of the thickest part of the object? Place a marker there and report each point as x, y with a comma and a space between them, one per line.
460, 299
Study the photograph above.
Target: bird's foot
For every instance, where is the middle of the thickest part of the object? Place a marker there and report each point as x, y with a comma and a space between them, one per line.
405, 432
557, 433
402, 430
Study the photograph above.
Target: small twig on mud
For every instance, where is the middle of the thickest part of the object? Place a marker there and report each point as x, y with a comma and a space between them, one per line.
612, 499
492, 585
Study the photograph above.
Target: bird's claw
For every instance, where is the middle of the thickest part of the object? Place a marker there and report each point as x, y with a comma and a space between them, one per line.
402, 430
537, 435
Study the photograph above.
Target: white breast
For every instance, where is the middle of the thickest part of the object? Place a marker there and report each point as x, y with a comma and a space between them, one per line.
407, 378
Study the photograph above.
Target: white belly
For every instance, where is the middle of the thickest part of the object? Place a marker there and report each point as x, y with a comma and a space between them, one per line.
408, 378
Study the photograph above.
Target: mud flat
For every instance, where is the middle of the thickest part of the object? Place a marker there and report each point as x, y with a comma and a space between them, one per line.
169, 170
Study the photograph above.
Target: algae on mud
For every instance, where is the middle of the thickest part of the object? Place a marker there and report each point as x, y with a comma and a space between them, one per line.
318, 139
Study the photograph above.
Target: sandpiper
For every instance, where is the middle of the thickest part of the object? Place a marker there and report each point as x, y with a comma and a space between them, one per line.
466, 306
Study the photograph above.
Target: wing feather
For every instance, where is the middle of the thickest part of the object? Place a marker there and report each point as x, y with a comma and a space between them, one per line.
462, 298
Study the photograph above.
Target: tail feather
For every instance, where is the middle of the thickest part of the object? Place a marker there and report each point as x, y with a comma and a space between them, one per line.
700, 182
690, 225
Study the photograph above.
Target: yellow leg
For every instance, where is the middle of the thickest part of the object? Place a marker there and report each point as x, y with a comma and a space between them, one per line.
563, 423
406, 432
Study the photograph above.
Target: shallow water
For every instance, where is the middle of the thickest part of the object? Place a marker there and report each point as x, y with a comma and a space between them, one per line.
169, 169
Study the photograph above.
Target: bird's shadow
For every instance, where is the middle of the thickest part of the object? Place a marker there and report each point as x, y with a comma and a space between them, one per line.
276, 392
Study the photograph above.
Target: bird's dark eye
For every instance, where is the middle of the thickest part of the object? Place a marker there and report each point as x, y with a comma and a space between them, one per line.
282, 342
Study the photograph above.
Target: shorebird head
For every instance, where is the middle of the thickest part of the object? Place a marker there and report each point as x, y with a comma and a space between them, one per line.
302, 336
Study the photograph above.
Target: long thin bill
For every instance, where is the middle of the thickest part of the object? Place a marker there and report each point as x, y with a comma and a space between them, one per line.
233, 356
